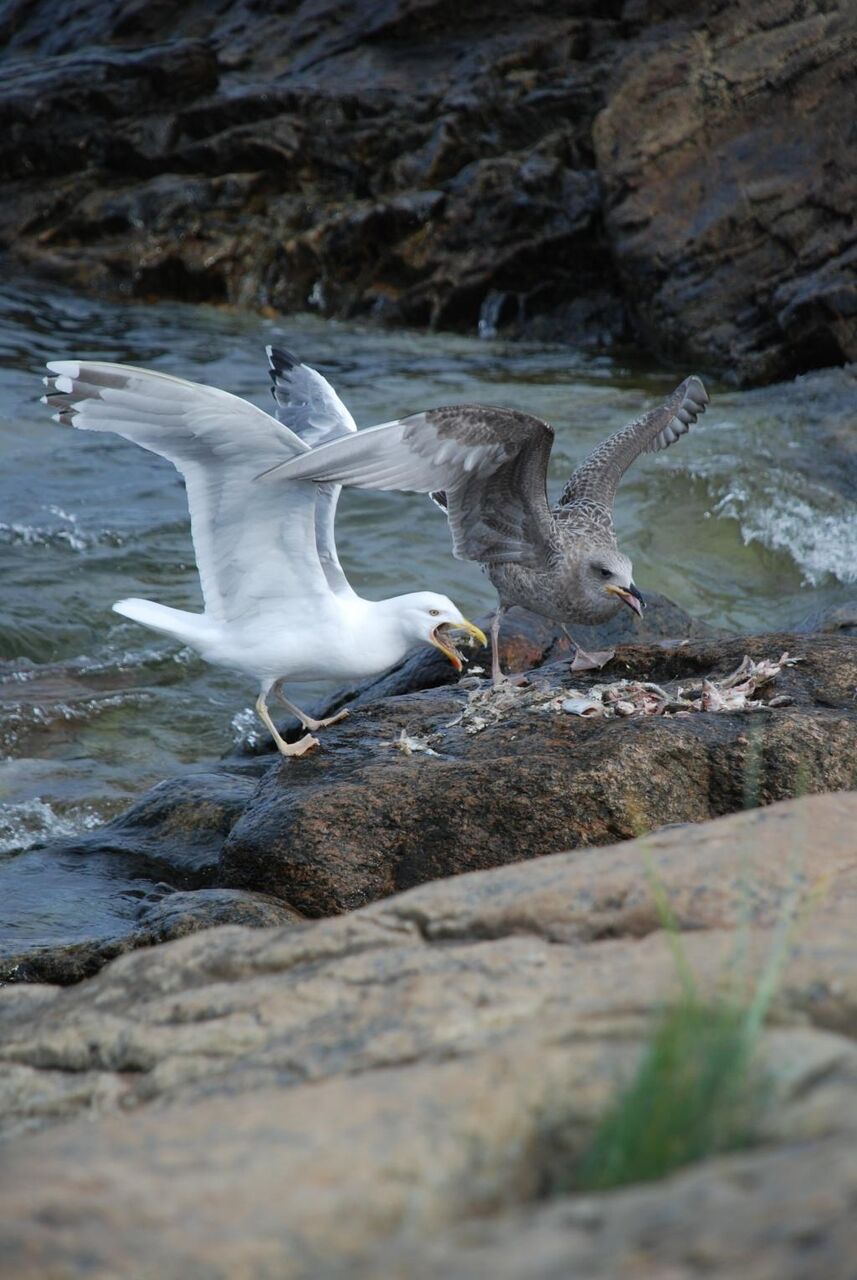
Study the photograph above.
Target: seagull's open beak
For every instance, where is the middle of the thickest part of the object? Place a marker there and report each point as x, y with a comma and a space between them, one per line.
629, 596
442, 639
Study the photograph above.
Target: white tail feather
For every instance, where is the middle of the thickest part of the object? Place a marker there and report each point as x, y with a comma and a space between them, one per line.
189, 628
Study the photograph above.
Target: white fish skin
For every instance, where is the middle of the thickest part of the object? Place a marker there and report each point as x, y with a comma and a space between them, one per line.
583, 707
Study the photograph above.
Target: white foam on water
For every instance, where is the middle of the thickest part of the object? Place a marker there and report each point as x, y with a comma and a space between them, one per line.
72, 536
154, 656
820, 542
246, 728
19, 719
34, 821
63, 515
185, 657
26, 535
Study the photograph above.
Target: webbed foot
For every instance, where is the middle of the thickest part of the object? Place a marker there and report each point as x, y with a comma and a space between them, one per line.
315, 725
299, 748
584, 661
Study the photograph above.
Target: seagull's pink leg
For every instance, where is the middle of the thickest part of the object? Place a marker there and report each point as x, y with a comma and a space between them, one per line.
497, 676
304, 744
307, 721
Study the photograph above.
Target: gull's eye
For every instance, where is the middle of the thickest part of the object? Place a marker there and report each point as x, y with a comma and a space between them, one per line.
434, 613
606, 573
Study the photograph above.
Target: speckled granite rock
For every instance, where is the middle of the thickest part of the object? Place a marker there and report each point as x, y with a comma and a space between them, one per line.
394, 1091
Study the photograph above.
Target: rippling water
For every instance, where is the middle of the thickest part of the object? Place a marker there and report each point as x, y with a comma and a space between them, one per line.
750, 522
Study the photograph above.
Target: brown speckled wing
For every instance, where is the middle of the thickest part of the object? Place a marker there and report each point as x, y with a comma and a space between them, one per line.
597, 478
498, 514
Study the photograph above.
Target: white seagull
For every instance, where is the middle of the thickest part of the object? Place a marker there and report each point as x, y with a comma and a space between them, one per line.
278, 605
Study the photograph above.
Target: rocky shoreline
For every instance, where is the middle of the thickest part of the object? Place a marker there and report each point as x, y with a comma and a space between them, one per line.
584, 173
429, 777
407, 1086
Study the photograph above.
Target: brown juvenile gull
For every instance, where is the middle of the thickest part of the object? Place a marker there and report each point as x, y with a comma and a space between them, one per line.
278, 605
488, 467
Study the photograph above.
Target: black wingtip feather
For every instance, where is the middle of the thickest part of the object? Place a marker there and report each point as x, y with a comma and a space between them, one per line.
280, 365
281, 360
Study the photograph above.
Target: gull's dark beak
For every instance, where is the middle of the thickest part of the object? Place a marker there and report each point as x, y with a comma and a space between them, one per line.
442, 639
629, 596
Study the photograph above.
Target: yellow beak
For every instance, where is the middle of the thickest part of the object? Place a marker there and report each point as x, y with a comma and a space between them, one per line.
631, 598
449, 650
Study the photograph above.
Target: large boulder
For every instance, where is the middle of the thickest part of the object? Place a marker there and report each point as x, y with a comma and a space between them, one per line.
434, 782
405, 791
729, 181
407, 1090
72, 905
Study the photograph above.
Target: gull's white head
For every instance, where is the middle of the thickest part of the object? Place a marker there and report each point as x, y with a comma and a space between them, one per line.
428, 618
604, 581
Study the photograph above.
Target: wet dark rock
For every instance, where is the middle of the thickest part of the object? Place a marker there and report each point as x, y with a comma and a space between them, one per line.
545, 172
175, 915
728, 175
178, 914
69, 907
370, 815
179, 827
838, 619
64, 911
82, 92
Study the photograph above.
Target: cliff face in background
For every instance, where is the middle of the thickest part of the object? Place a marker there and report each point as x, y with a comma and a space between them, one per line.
581, 170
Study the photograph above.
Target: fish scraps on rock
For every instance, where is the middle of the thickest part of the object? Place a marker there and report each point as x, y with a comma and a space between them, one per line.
488, 704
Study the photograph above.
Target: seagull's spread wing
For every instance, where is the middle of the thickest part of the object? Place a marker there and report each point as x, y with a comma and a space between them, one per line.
306, 402
254, 547
308, 405
491, 465
598, 476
